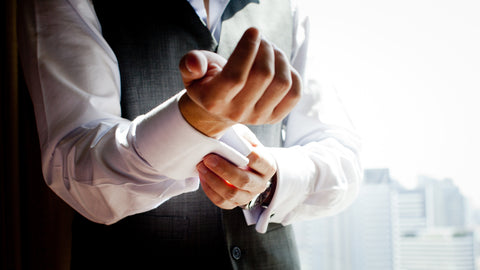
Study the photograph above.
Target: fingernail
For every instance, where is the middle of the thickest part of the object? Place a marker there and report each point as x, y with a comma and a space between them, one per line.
212, 161
201, 168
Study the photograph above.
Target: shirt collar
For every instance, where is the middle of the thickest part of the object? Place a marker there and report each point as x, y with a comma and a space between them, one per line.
216, 9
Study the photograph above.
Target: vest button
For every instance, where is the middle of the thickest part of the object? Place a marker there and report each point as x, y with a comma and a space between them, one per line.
236, 253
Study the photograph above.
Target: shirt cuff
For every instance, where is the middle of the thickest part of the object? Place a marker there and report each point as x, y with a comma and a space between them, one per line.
294, 174
168, 143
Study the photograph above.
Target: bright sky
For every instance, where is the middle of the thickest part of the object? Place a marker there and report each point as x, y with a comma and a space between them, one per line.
409, 74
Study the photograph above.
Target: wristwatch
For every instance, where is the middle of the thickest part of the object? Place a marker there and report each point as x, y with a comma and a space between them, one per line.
263, 199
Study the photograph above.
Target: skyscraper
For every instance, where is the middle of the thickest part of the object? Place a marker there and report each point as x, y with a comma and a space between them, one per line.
359, 238
446, 205
437, 249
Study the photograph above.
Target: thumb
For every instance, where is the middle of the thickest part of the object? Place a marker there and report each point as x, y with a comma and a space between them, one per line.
197, 64
193, 66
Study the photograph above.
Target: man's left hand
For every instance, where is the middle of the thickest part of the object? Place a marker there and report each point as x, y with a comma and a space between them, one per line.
229, 186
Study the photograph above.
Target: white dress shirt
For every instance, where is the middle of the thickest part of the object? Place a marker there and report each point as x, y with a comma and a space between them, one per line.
107, 167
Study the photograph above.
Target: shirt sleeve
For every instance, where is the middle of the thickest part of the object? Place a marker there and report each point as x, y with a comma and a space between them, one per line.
319, 169
102, 165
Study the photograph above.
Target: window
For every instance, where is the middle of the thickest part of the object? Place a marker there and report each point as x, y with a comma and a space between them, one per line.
408, 73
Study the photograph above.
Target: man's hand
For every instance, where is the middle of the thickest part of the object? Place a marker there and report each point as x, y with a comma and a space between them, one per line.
228, 186
255, 86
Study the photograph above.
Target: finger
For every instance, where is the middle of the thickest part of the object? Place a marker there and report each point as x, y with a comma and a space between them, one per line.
260, 76
214, 197
220, 191
290, 100
241, 179
236, 70
279, 86
262, 162
196, 64
193, 66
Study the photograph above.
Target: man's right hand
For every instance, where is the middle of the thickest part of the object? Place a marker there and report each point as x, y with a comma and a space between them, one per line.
255, 86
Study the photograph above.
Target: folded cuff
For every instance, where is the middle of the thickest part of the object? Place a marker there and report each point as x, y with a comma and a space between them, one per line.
168, 143
293, 178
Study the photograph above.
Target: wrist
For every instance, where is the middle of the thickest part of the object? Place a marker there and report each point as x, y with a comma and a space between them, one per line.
201, 120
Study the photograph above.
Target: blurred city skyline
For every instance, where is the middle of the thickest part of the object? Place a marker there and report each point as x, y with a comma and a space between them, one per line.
389, 227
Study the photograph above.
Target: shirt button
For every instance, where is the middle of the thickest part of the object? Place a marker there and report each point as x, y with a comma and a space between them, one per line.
236, 253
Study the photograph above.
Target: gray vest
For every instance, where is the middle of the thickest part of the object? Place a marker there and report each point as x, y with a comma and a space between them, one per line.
186, 231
